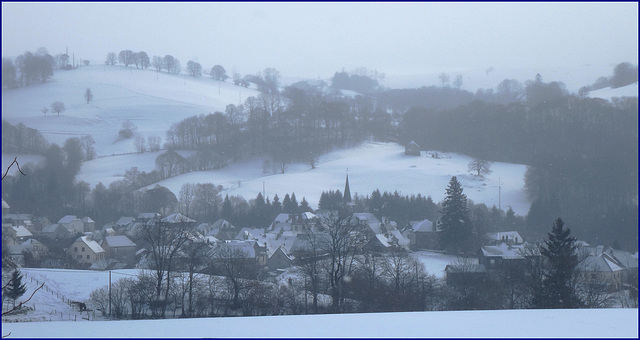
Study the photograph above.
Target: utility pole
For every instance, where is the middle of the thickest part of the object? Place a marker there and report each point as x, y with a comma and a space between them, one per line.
263, 192
499, 195
109, 293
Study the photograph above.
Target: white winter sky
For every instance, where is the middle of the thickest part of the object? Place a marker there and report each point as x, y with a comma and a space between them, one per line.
316, 39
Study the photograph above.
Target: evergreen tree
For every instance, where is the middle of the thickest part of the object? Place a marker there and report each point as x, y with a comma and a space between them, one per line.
227, 209
286, 204
304, 206
277, 206
455, 222
16, 288
290, 204
560, 254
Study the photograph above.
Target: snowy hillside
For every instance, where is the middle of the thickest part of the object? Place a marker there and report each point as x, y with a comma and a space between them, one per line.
151, 100
371, 166
77, 285
608, 93
574, 77
154, 101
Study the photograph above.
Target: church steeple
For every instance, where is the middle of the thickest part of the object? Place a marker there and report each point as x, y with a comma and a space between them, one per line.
347, 192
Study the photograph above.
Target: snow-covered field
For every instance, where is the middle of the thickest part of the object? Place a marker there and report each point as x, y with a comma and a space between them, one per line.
371, 166
151, 100
77, 285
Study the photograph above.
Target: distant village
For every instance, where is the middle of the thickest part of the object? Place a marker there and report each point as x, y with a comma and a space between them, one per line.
76, 242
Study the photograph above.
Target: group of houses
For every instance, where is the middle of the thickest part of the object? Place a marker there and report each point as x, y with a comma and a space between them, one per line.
287, 240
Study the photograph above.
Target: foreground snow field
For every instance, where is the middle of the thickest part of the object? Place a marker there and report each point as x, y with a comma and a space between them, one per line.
586, 323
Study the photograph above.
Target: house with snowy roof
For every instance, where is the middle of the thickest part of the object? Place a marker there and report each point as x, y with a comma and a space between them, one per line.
297, 223
20, 233
37, 250
119, 248
423, 235
412, 149
609, 266
222, 230
381, 236
72, 223
513, 259
55, 231
86, 250
280, 259
248, 249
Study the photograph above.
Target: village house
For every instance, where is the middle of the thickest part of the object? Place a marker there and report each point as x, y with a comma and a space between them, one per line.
381, 236
605, 265
55, 231
280, 259
119, 248
412, 149
86, 250
423, 235
19, 233
509, 259
72, 223
36, 249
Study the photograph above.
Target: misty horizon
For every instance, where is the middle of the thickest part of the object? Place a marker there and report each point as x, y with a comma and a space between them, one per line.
315, 40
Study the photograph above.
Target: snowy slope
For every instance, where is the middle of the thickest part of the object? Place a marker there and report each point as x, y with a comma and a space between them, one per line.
371, 166
608, 93
77, 285
151, 100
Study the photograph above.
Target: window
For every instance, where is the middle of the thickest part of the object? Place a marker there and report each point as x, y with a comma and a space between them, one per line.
88, 257
79, 256
75, 249
82, 249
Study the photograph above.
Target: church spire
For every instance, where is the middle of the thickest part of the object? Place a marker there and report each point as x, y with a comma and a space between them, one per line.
347, 192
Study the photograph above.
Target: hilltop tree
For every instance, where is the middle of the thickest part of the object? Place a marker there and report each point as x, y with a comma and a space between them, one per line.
143, 59
111, 59
194, 68
88, 95
444, 78
16, 288
457, 82
559, 251
455, 221
126, 57
158, 63
57, 107
219, 73
480, 166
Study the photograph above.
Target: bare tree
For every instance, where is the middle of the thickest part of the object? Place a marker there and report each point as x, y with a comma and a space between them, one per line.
457, 82
164, 241
87, 143
139, 142
57, 107
44, 110
444, 78
235, 264
344, 238
480, 166
187, 195
111, 59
